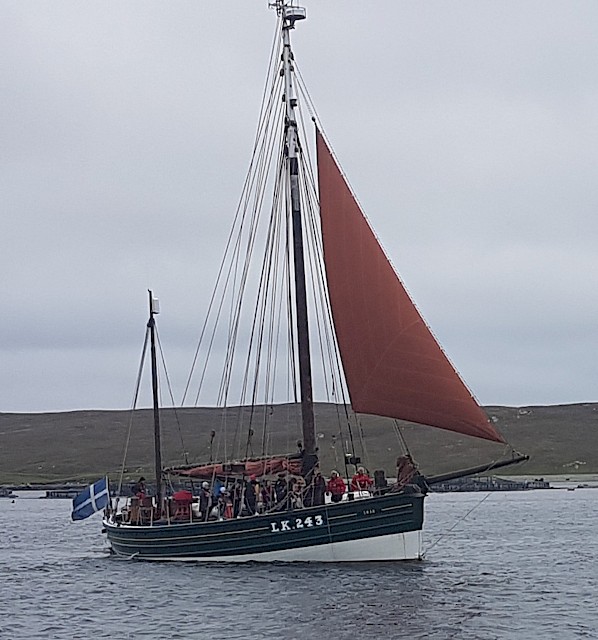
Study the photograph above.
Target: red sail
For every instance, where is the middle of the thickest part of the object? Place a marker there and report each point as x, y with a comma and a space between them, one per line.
393, 365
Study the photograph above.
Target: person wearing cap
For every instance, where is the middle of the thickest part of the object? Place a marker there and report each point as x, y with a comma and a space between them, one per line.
337, 487
361, 481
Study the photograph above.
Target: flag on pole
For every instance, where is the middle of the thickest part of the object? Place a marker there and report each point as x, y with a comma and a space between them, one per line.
94, 498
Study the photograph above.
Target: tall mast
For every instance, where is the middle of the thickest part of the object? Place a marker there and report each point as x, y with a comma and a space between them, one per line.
290, 15
151, 325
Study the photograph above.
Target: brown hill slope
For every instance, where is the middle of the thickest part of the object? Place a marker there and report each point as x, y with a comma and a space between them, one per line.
84, 445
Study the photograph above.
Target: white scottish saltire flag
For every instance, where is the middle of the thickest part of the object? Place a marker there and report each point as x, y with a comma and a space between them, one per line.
94, 498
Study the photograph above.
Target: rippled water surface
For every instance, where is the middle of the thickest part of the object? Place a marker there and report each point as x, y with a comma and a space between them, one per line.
520, 565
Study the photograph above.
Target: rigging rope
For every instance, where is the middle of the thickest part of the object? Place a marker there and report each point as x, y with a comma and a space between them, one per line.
442, 535
133, 407
270, 362
230, 253
400, 436
176, 415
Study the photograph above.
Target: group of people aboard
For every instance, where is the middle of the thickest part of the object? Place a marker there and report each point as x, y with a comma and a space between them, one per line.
219, 500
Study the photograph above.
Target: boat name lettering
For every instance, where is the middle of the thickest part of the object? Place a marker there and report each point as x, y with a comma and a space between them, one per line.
296, 523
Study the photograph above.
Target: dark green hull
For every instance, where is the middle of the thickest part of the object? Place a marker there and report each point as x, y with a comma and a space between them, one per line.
378, 528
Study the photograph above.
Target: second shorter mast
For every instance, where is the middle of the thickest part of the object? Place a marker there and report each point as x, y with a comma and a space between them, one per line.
151, 324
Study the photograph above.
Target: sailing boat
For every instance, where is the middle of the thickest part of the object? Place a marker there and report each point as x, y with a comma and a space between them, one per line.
392, 366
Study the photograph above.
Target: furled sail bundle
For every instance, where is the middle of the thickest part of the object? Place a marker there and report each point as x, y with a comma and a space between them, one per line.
258, 467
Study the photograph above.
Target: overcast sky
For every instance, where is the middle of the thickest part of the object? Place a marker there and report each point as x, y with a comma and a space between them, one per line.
468, 130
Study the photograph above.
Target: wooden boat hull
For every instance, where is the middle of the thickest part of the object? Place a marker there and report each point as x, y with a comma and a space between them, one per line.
372, 529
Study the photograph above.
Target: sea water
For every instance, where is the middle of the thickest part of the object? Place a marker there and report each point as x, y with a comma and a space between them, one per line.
518, 565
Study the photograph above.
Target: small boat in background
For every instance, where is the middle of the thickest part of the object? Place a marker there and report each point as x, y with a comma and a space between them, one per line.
63, 494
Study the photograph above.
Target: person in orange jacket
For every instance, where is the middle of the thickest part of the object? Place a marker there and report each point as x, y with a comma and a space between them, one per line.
337, 487
361, 481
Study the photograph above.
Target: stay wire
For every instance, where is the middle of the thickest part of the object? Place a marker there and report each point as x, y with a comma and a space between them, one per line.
260, 330
245, 269
457, 523
169, 386
272, 311
262, 291
133, 407
401, 436
258, 178
240, 208
263, 286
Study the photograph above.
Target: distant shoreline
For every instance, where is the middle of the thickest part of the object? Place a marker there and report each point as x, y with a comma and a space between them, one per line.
82, 446
577, 477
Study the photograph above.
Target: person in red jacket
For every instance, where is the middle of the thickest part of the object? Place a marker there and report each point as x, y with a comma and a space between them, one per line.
361, 481
337, 487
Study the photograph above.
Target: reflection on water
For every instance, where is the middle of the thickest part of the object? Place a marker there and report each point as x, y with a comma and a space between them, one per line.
521, 565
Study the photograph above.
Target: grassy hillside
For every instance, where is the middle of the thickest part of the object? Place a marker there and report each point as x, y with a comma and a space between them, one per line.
83, 445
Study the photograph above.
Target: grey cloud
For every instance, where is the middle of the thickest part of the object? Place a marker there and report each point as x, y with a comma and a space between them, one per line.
468, 131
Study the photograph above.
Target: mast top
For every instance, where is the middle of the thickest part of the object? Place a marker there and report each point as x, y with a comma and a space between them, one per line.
154, 304
288, 11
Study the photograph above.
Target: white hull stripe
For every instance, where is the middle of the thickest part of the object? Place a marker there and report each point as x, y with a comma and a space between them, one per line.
396, 546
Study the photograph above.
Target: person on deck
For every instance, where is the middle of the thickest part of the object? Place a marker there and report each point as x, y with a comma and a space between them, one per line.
251, 495
204, 500
281, 493
318, 489
236, 495
361, 481
223, 505
259, 503
314, 493
296, 489
267, 495
336, 486
139, 488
